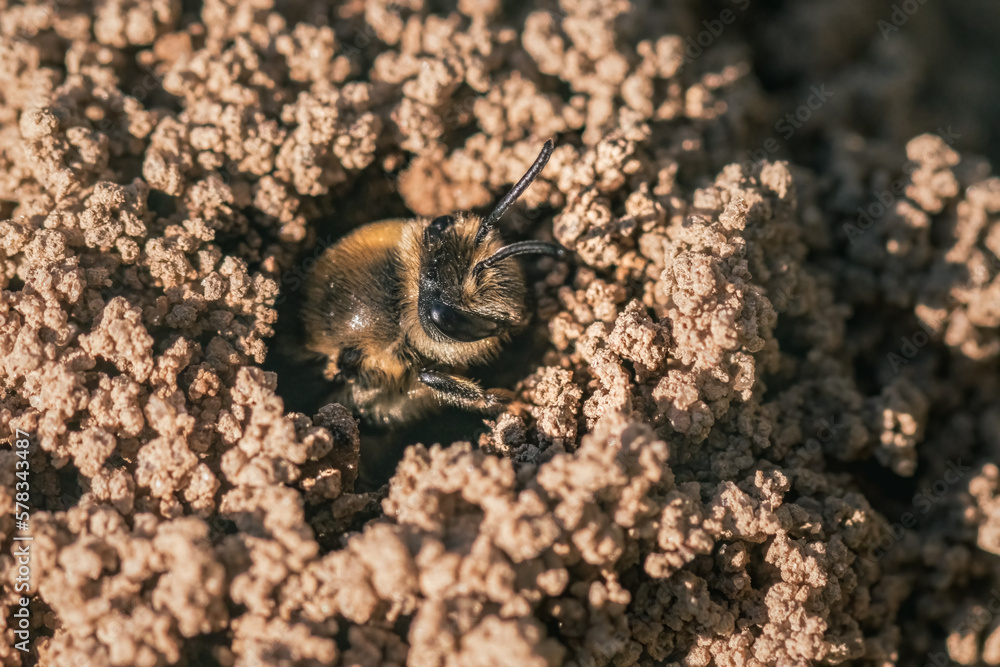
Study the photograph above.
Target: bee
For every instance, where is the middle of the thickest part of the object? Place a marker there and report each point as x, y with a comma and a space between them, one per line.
399, 308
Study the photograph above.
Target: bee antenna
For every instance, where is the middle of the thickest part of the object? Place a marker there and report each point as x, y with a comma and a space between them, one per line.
487, 224
520, 248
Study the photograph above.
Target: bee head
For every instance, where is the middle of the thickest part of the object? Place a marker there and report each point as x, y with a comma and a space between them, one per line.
471, 287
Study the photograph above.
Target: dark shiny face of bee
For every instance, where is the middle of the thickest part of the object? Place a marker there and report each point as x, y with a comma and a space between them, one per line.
460, 300
397, 307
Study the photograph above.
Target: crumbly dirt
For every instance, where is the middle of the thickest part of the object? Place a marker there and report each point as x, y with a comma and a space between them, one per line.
761, 421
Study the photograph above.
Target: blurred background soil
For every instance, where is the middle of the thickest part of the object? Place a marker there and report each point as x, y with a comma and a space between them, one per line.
758, 415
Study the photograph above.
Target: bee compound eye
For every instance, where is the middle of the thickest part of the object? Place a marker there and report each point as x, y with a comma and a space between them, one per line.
461, 325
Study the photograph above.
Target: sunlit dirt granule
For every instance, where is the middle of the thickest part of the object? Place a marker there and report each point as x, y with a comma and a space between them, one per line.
706, 462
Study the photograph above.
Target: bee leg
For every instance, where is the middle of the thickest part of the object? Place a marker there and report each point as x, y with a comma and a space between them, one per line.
464, 393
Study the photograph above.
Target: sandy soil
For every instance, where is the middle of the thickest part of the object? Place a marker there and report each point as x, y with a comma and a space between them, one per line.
758, 416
